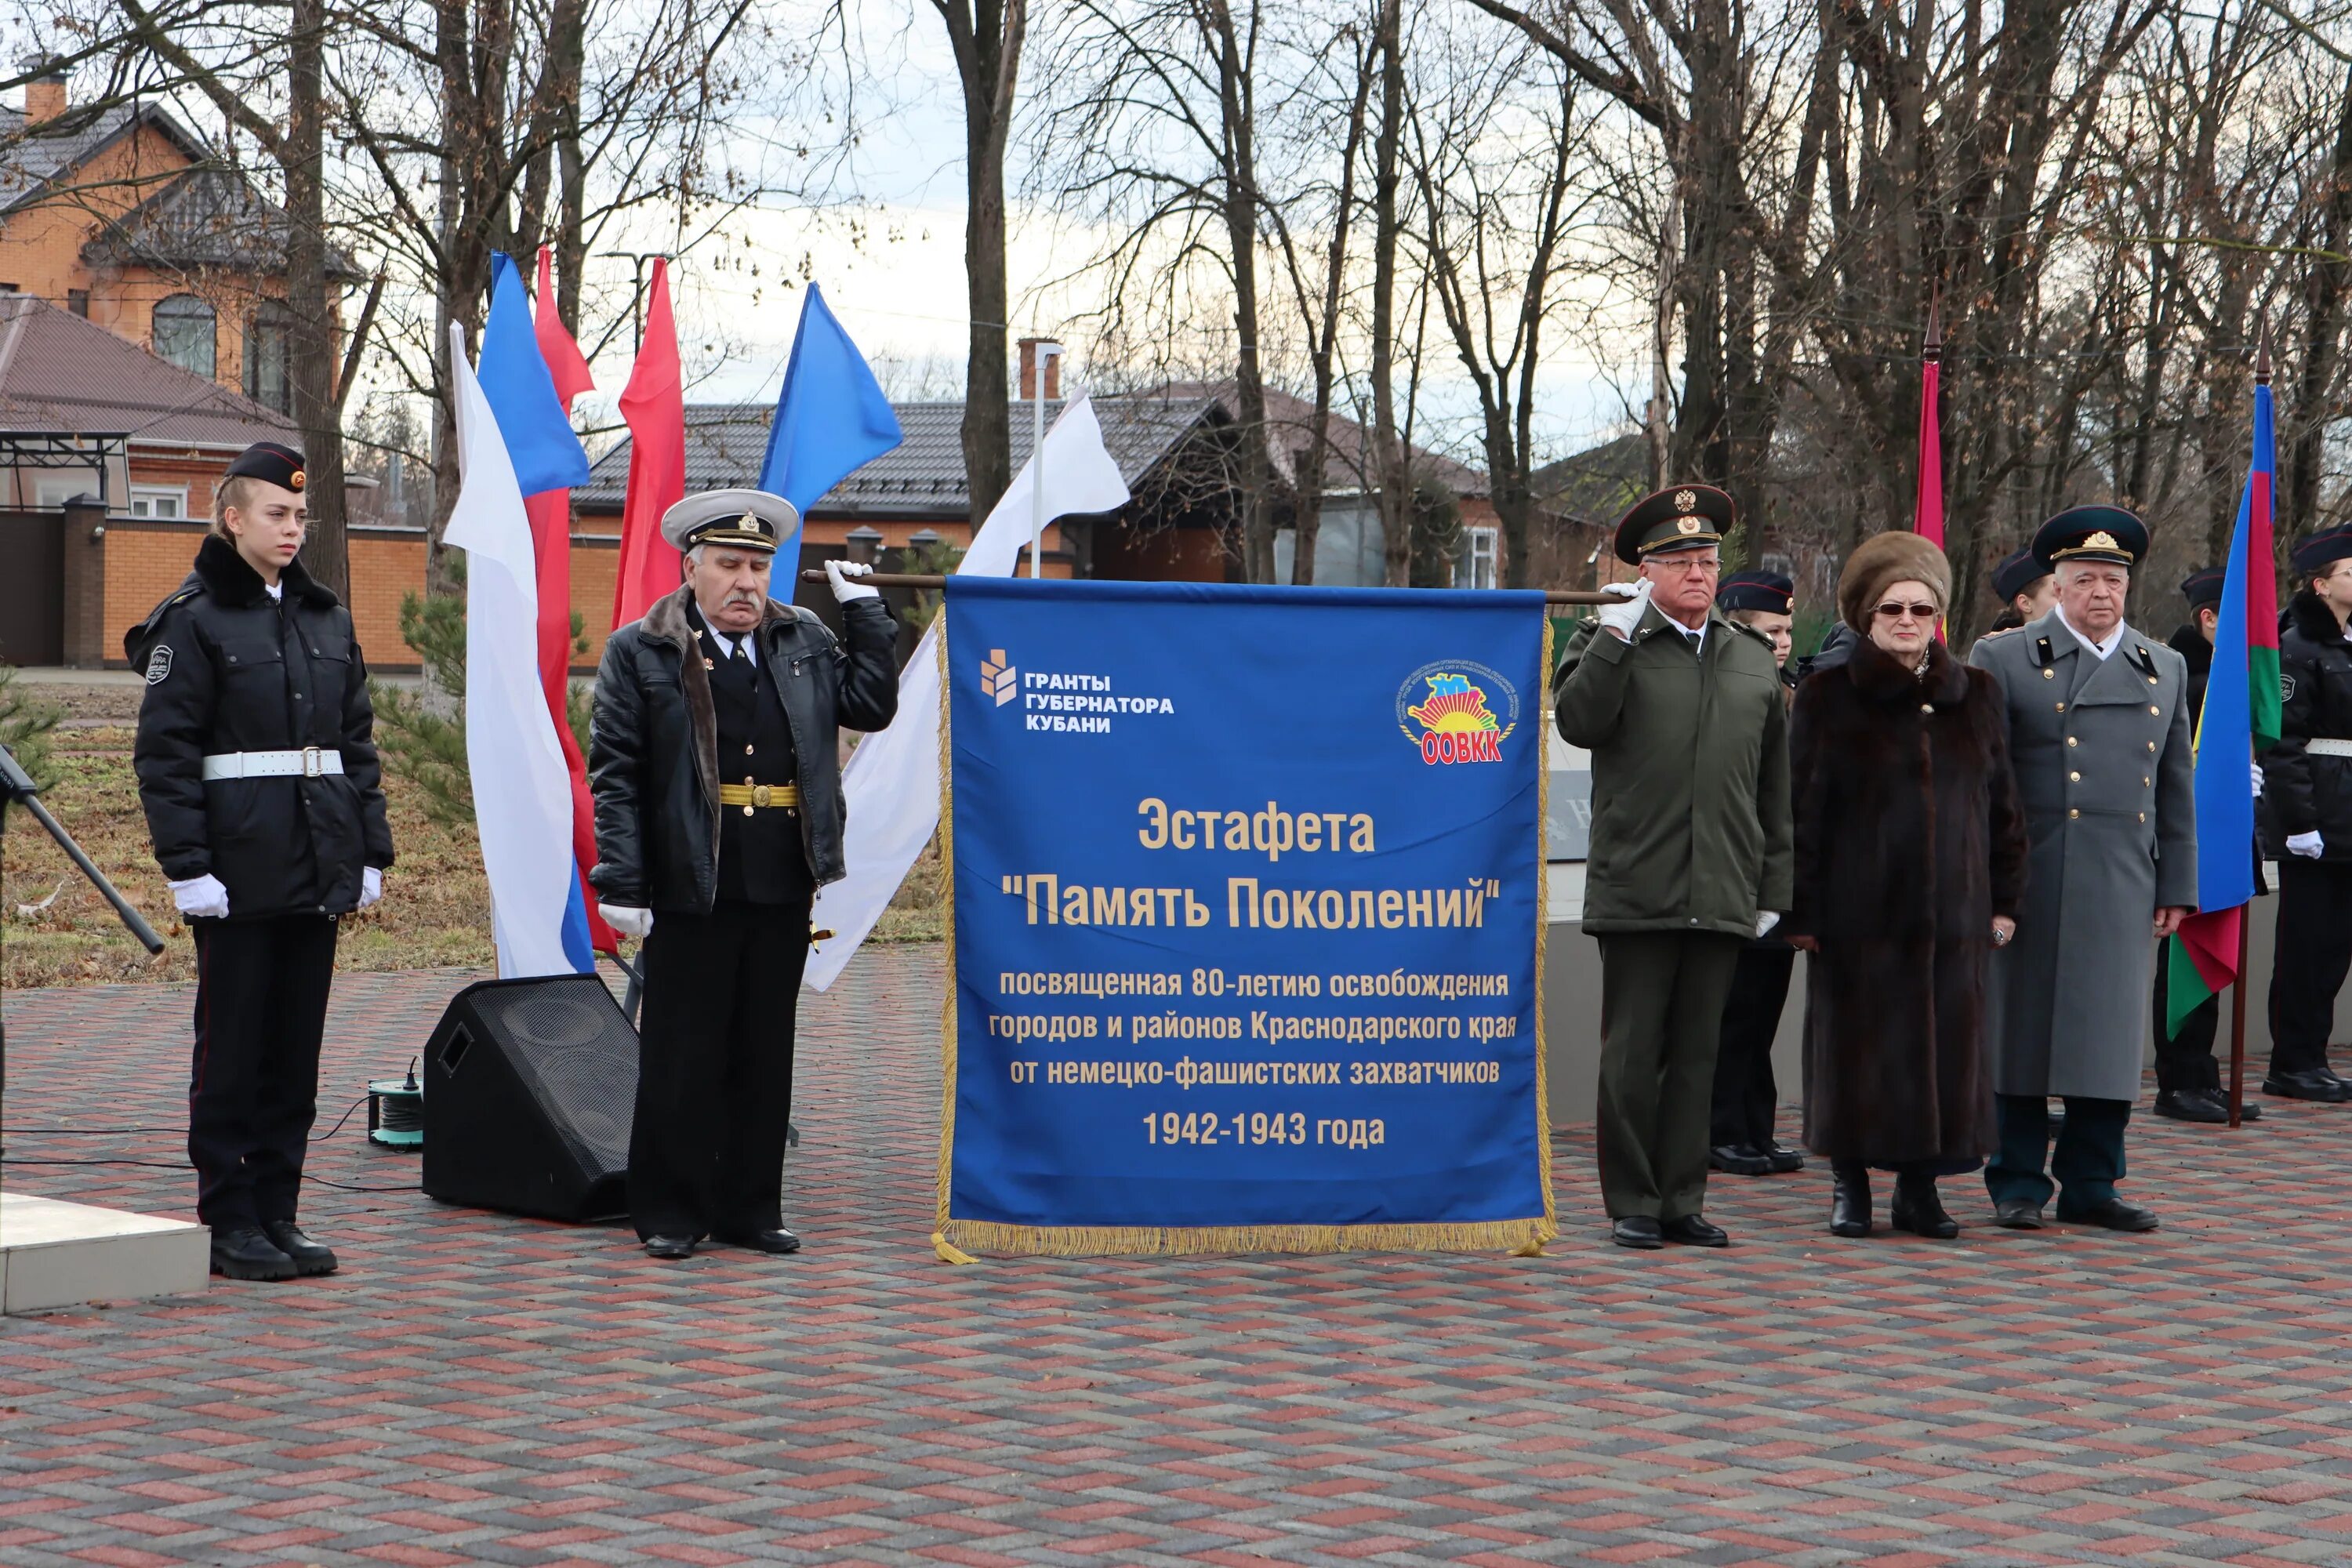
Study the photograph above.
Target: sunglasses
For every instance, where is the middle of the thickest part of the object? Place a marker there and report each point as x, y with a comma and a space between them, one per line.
1916, 612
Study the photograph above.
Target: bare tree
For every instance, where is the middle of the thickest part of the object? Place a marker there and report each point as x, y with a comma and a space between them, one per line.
986, 36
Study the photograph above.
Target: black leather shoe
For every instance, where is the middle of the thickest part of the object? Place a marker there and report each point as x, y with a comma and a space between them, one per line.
1918, 1210
2113, 1214
2317, 1085
1783, 1161
1691, 1231
2191, 1105
2018, 1214
244, 1252
1736, 1160
1637, 1230
779, 1241
1849, 1202
669, 1247
309, 1256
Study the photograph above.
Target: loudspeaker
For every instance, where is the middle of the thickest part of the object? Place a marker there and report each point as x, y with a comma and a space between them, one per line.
529, 1086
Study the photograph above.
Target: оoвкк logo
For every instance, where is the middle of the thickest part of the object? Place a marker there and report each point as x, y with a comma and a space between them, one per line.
998, 678
1455, 717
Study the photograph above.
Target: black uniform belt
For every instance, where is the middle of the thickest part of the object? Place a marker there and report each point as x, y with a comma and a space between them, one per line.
751, 796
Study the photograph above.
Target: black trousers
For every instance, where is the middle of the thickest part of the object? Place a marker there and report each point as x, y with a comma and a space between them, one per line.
2314, 951
715, 1068
1744, 1094
253, 1092
2186, 1061
2087, 1162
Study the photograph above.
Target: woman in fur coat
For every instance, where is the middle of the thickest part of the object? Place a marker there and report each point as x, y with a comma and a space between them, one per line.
1911, 854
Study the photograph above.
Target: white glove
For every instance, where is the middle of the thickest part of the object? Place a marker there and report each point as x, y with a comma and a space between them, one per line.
631, 922
203, 898
843, 575
2308, 845
371, 885
1622, 618
1765, 920
2258, 781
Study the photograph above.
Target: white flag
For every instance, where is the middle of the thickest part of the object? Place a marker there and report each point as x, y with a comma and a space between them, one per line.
522, 793
891, 785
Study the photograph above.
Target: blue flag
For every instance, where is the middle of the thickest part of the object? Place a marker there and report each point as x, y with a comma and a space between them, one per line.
520, 391
831, 420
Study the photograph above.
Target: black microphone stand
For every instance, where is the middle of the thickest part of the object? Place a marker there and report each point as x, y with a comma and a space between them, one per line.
17, 788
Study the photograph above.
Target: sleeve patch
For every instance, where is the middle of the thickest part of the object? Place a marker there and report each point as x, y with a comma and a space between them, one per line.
159, 664
2286, 688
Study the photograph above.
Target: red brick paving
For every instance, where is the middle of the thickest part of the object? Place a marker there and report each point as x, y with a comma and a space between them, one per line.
476, 1389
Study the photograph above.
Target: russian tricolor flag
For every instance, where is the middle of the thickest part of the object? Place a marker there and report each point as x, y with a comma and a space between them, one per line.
514, 441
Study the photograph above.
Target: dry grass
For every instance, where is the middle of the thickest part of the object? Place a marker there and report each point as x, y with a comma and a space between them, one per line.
434, 913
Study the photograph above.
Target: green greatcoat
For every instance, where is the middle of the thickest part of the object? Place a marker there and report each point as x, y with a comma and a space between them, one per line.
1690, 776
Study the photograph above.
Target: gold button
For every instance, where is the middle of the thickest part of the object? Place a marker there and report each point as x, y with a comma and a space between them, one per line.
747, 751
2074, 778
2048, 673
2152, 707
2151, 745
2062, 708
1926, 708
2071, 812
2151, 681
2071, 741
2143, 816
2143, 781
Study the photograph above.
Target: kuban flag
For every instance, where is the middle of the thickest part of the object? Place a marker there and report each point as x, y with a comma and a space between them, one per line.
2240, 716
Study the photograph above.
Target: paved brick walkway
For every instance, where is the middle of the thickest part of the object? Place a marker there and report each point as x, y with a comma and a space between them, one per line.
475, 1389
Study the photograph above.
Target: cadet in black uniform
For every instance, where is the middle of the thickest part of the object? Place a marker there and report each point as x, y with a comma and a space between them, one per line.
1746, 1097
2187, 1077
257, 769
2025, 588
721, 690
2308, 784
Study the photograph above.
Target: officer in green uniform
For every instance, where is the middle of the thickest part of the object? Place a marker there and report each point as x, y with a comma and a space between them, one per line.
1682, 710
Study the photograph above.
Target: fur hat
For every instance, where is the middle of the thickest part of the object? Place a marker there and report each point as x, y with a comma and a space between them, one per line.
1884, 560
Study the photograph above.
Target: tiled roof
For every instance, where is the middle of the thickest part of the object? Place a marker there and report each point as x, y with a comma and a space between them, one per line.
1290, 426
207, 216
923, 475
30, 160
1596, 485
59, 373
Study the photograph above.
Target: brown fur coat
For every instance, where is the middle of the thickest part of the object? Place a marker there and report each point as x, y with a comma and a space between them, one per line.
1909, 840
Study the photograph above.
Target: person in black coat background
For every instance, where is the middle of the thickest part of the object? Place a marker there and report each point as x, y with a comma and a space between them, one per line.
2308, 786
2187, 1077
1746, 1097
257, 770
718, 684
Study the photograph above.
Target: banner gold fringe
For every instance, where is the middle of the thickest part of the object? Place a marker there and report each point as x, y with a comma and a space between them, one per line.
1517, 1237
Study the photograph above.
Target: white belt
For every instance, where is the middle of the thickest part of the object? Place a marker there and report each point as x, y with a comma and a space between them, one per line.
2328, 748
309, 763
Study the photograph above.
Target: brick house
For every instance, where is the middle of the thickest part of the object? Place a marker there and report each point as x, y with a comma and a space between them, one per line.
119, 214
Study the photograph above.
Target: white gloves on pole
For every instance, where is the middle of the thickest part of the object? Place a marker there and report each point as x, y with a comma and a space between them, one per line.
202, 898
371, 885
843, 576
632, 922
2258, 781
2310, 846
1622, 618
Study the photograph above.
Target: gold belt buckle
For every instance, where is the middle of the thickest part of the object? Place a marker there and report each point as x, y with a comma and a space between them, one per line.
763, 795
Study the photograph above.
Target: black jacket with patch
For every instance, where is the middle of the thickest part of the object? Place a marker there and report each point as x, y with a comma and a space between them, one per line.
2306, 792
231, 670
653, 754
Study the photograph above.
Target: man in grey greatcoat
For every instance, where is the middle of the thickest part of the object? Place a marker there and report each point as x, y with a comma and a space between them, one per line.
2098, 732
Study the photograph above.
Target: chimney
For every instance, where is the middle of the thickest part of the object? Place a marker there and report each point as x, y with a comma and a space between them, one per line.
45, 94
1030, 348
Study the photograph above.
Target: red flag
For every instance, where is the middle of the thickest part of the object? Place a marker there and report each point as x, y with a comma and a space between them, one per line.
551, 538
654, 403
1927, 520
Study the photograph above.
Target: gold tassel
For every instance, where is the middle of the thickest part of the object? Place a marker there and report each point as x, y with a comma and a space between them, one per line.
1528, 1250
1096, 1240
949, 1252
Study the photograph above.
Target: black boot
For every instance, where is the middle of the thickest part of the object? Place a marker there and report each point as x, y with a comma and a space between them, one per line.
1918, 1210
1849, 1198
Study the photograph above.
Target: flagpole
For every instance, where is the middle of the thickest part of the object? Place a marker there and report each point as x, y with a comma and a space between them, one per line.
1047, 350
2246, 916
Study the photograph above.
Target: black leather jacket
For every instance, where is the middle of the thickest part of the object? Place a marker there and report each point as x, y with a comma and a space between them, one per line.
2303, 791
230, 670
653, 755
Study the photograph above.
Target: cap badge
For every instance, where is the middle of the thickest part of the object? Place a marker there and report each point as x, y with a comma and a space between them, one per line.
298, 479
2102, 540
1685, 501
1688, 525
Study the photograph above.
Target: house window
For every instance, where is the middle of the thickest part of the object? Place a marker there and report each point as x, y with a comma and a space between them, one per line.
1479, 559
184, 333
77, 301
159, 500
57, 490
266, 381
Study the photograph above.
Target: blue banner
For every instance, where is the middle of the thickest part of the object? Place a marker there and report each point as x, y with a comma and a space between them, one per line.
1247, 922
